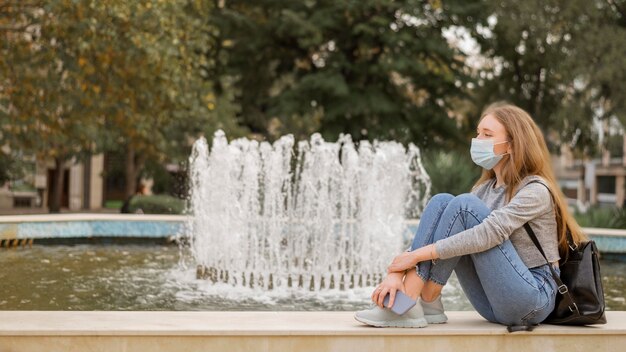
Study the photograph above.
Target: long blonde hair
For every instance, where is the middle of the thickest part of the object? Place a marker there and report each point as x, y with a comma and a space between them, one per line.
530, 156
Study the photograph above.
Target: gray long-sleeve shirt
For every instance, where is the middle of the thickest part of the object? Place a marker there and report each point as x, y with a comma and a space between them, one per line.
532, 203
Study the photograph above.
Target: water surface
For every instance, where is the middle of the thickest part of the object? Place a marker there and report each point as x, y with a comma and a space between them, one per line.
151, 277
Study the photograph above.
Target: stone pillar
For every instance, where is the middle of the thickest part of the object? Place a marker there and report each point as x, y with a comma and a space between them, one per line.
567, 157
41, 182
593, 192
619, 190
96, 183
6, 198
606, 157
581, 193
624, 149
76, 187
591, 182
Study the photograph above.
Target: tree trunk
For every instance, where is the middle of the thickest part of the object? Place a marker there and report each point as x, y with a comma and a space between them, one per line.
134, 166
57, 185
131, 179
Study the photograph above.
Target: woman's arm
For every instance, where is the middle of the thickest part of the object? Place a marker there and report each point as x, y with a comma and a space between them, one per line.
408, 260
529, 203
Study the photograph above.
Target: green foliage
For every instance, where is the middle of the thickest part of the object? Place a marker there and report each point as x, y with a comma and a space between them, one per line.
562, 61
11, 167
373, 69
81, 77
85, 76
165, 182
41, 94
615, 145
451, 171
605, 217
141, 61
157, 204
113, 204
23, 187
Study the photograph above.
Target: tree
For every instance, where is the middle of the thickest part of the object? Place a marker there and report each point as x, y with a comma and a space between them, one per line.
140, 61
374, 69
559, 60
41, 95
86, 76
10, 167
598, 61
11, 24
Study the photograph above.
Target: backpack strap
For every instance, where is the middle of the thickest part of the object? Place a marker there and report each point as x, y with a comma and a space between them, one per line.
568, 234
516, 328
562, 288
567, 297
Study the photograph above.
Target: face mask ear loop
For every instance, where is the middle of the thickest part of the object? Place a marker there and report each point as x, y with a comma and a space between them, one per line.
503, 154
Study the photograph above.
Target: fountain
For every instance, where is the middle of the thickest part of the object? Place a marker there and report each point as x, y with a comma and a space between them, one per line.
281, 227
320, 216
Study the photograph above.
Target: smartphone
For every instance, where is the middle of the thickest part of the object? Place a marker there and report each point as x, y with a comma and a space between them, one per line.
401, 304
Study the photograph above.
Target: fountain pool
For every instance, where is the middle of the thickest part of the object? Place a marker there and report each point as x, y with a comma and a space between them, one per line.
264, 217
153, 277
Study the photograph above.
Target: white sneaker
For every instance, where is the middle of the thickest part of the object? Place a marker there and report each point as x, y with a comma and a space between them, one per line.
433, 311
385, 318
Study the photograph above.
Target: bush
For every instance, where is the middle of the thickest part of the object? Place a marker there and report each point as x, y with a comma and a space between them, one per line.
606, 217
157, 204
166, 182
21, 186
451, 171
113, 204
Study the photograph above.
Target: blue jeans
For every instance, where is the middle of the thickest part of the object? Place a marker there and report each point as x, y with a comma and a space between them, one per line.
496, 282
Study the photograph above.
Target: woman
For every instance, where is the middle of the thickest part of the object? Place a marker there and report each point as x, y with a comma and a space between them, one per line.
480, 235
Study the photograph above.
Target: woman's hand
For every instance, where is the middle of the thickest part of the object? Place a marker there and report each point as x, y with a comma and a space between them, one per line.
391, 284
408, 260
403, 262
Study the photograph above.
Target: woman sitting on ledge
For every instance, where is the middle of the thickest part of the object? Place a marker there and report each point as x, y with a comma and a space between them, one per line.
480, 235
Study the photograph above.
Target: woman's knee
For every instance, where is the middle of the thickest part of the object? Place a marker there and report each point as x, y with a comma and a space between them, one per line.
468, 203
441, 198
466, 200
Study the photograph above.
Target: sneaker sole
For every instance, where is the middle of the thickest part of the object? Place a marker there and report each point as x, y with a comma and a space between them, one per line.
413, 323
436, 318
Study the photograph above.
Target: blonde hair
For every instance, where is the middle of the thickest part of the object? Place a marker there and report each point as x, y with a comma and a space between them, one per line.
530, 156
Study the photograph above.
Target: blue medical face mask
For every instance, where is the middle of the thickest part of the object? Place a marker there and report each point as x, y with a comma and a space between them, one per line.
483, 154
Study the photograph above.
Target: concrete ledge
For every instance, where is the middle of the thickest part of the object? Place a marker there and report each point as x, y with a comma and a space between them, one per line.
16, 229
284, 331
23, 229
90, 217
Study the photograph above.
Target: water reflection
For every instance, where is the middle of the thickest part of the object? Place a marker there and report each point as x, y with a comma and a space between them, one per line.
142, 277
